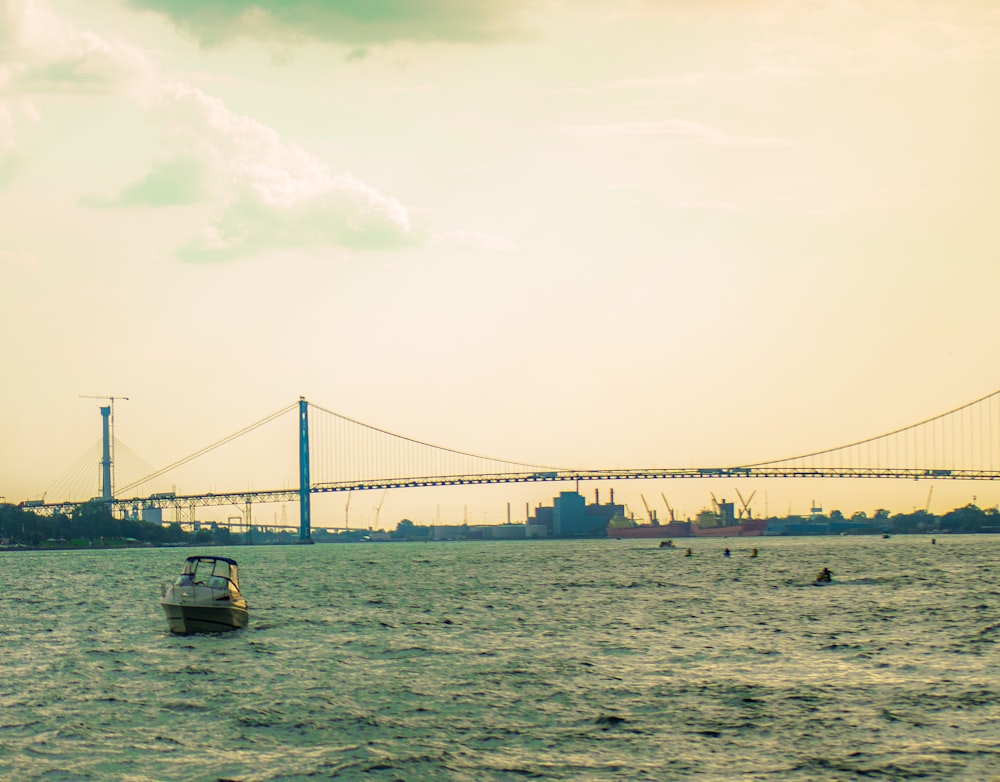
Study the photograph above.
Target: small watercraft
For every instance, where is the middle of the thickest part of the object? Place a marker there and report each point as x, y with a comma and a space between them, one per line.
205, 598
823, 578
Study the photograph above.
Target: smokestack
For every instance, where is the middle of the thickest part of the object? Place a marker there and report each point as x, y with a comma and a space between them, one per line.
597, 496
612, 496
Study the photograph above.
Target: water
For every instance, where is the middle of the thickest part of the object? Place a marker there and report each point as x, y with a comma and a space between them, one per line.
561, 660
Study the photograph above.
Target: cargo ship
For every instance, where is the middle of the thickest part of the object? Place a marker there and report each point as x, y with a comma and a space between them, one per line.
675, 529
685, 529
721, 522
746, 529
718, 523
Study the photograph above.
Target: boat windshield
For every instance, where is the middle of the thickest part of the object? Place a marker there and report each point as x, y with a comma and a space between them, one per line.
212, 571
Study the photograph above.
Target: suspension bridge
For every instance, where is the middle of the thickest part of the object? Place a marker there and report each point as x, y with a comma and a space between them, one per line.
340, 454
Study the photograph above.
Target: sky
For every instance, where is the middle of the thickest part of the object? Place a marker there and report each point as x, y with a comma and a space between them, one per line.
598, 233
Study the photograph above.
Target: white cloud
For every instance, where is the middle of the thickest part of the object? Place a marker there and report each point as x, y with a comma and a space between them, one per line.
273, 194
40, 53
475, 240
279, 195
677, 131
6, 131
699, 79
789, 39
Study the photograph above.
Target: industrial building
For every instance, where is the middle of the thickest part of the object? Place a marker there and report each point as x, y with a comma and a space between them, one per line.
571, 517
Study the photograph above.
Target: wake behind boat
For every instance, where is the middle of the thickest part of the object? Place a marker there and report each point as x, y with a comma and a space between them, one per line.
205, 598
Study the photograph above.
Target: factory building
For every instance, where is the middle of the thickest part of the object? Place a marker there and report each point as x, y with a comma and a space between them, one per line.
571, 517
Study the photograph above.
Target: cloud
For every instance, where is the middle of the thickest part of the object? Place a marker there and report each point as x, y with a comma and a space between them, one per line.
790, 39
271, 194
677, 131
178, 181
279, 195
41, 53
695, 80
474, 240
708, 205
6, 131
213, 22
339, 217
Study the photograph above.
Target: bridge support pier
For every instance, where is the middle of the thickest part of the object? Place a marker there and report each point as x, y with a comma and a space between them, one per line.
106, 462
305, 531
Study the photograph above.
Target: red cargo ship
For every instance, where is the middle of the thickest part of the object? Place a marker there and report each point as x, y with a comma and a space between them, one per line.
675, 529
747, 529
685, 529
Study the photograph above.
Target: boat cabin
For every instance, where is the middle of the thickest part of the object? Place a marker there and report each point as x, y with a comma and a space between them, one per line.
215, 572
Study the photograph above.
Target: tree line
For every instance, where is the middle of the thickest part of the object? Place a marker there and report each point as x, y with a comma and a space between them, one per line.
92, 523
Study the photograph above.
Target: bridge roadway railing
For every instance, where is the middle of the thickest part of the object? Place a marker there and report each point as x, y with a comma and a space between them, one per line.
766, 471
656, 473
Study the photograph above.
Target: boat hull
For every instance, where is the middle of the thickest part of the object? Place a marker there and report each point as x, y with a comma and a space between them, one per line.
684, 529
196, 618
675, 529
747, 529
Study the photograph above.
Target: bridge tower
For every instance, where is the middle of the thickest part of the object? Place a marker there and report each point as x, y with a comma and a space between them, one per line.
106, 454
305, 534
107, 444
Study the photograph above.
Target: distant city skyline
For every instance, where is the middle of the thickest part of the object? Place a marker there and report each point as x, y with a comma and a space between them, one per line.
599, 234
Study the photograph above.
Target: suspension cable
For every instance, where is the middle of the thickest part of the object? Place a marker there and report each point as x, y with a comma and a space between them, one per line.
869, 440
431, 445
208, 448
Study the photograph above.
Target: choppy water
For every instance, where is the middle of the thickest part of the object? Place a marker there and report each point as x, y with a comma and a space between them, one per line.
590, 660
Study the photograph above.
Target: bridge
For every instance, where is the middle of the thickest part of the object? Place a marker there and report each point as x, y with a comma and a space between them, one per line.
340, 454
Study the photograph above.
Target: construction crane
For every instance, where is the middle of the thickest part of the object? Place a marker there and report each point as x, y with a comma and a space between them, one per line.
108, 443
111, 399
669, 509
378, 508
651, 514
927, 507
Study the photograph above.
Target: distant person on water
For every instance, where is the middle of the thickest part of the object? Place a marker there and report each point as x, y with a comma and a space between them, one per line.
687, 553
725, 553
753, 553
824, 576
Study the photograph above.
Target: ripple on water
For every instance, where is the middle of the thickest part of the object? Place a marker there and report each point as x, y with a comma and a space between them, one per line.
510, 661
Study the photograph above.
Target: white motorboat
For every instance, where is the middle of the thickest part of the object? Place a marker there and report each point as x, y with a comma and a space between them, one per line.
205, 598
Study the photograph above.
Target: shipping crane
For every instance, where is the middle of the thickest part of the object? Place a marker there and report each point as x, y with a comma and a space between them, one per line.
378, 508
669, 509
746, 503
651, 514
108, 444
